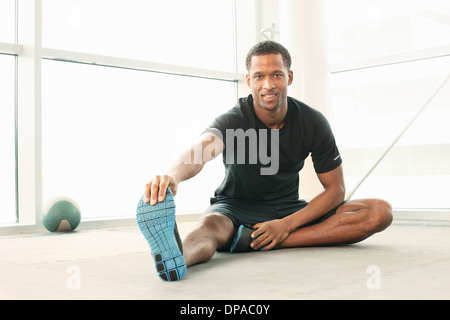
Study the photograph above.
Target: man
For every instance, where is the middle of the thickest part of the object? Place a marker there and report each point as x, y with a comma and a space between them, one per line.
253, 210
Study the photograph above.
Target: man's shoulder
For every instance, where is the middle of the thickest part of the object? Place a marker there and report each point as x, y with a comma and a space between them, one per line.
233, 118
244, 106
301, 109
305, 117
241, 112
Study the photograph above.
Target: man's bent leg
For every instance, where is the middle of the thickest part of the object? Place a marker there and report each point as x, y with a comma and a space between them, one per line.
354, 221
213, 232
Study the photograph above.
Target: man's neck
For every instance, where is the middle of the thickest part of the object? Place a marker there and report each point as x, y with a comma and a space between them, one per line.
273, 119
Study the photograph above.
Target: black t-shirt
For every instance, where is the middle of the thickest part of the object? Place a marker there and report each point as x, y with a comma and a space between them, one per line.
305, 131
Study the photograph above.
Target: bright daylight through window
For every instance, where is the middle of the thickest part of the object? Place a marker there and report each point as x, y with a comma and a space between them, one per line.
107, 130
387, 59
151, 30
7, 140
7, 21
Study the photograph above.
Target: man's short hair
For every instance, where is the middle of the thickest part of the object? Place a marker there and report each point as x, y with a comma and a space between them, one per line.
268, 47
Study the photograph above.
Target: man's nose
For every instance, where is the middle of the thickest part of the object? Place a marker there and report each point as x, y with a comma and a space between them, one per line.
268, 83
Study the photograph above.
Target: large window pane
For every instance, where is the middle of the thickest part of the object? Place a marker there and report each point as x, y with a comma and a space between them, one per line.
107, 131
371, 107
7, 20
7, 141
360, 29
196, 33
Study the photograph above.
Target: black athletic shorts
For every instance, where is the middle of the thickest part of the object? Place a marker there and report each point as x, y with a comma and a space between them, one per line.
248, 213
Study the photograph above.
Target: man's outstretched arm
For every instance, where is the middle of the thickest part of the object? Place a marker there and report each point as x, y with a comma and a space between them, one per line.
188, 164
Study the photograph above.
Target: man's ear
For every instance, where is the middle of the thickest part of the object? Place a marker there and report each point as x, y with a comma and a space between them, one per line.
247, 77
291, 77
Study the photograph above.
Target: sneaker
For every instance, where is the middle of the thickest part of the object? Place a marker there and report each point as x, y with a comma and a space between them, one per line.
242, 239
157, 224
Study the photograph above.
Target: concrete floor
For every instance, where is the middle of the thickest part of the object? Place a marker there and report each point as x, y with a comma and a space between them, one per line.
403, 262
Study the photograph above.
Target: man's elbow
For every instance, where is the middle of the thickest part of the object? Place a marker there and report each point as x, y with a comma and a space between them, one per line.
340, 193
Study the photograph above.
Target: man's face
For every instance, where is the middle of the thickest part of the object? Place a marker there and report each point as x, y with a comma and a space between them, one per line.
269, 79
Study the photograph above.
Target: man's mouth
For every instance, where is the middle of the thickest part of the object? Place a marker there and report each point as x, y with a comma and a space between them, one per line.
269, 96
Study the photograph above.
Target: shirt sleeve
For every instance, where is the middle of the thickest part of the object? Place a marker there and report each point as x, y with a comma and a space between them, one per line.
324, 152
232, 119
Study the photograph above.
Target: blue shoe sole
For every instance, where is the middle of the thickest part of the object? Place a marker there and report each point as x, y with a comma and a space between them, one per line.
157, 224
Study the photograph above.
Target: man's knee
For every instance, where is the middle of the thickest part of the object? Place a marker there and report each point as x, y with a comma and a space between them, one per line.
380, 216
217, 227
216, 222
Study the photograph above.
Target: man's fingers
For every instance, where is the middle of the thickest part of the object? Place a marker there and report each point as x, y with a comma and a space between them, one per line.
258, 230
256, 236
162, 190
260, 242
270, 246
268, 234
147, 193
155, 191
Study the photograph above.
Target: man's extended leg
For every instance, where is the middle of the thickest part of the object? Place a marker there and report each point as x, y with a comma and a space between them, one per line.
213, 232
172, 256
354, 221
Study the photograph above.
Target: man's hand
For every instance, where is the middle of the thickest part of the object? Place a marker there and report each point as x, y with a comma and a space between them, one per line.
155, 190
270, 233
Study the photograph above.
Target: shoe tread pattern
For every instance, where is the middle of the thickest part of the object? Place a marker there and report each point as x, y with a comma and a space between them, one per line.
157, 225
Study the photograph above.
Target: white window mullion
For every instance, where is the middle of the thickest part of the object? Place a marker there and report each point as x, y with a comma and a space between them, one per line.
10, 48
391, 59
29, 113
94, 59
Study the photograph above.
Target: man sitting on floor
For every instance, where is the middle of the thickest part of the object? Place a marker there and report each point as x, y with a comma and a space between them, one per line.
264, 140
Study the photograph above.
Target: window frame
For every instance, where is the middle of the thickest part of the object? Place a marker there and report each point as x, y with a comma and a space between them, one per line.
28, 50
29, 55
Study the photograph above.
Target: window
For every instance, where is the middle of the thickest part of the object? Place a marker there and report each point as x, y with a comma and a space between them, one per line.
377, 103
93, 99
387, 59
362, 29
7, 20
107, 131
196, 33
7, 140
